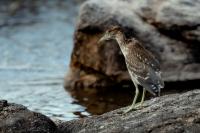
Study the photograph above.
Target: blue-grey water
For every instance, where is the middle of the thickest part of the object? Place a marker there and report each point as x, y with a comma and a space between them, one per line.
34, 57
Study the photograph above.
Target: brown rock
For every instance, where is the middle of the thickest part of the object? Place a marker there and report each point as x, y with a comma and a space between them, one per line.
167, 28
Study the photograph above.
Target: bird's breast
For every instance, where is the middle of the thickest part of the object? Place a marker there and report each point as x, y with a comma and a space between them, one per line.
125, 51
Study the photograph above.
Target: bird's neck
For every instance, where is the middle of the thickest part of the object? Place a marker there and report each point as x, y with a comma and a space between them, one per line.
120, 38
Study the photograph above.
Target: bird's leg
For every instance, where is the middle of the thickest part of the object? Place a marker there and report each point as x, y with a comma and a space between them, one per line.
134, 100
143, 96
159, 92
142, 100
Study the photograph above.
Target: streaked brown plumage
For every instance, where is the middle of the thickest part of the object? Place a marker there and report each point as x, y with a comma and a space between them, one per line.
142, 66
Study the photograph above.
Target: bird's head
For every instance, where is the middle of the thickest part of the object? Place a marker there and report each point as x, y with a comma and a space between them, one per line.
111, 33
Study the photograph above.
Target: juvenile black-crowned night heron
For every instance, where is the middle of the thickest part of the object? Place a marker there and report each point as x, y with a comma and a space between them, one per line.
143, 67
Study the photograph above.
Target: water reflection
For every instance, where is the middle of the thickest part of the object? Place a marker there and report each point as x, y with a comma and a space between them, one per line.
98, 101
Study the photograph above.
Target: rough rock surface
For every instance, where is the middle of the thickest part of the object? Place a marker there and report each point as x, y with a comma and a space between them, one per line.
16, 118
167, 28
175, 113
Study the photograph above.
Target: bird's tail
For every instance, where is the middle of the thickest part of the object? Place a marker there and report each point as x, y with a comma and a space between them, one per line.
153, 84
156, 87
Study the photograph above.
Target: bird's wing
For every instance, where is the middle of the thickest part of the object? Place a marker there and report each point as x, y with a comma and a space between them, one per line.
143, 55
145, 68
137, 68
140, 72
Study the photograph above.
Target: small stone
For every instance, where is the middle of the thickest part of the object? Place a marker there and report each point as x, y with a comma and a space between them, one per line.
3, 103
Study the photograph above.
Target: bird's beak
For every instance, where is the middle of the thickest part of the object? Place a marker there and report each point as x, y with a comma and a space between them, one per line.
103, 38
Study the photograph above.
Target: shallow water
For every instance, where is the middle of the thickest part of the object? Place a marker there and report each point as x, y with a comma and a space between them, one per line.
35, 52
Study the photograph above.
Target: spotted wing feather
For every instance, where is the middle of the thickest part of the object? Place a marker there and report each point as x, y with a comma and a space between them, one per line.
144, 67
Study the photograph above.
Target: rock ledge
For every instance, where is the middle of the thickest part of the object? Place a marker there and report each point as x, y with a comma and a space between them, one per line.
175, 113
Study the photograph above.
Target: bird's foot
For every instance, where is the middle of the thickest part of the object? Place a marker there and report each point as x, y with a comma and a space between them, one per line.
130, 109
139, 105
135, 107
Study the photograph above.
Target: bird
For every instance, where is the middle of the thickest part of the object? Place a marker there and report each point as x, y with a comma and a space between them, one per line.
143, 67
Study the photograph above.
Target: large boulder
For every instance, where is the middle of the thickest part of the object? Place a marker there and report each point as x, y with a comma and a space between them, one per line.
175, 113
16, 118
169, 29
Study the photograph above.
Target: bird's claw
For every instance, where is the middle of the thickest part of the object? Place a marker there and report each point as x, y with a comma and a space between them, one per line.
137, 106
